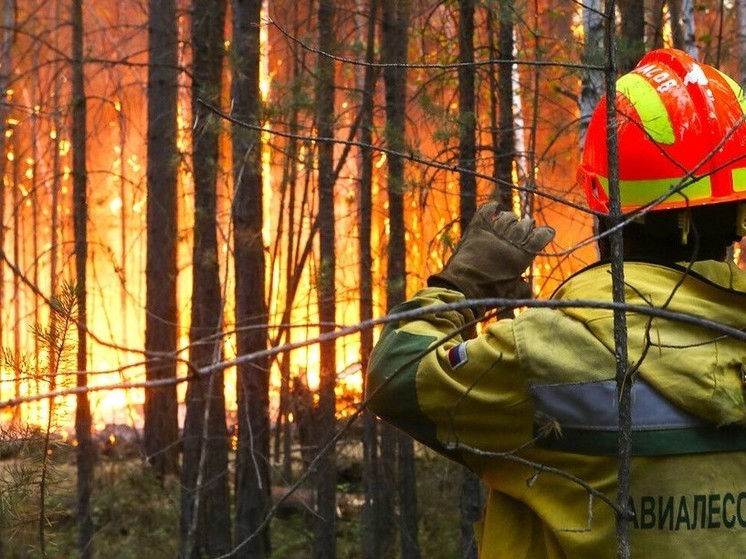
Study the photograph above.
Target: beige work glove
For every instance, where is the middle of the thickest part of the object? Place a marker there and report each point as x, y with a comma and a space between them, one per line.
493, 253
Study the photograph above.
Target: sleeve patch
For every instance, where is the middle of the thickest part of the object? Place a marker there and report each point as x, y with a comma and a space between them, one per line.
457, 355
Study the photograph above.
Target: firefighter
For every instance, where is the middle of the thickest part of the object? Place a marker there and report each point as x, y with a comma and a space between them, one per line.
530, 403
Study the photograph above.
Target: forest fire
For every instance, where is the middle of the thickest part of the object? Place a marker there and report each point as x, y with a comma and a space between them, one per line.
37, 173
208, 209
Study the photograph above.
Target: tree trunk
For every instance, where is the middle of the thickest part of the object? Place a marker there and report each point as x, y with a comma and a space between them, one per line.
681, 16
386, 519
205, 506
592, 87
408, 517
35, 213
470, 484
325, 521
15, 200
7, 34
289, 183
394, 52
501, 100
677, 29
371, 530
54, 213
657, 22
688, 28
252, 455
616, 239
289, 207
632, 37
83, 423
471, 512
467, 153
161, 427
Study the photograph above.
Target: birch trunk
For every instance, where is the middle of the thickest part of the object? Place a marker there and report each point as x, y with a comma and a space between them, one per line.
592, 82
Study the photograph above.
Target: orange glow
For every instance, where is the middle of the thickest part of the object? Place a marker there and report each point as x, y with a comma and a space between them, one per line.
667, 31
576, 27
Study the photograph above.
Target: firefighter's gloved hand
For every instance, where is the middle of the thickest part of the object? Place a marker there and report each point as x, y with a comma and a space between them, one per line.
493, 253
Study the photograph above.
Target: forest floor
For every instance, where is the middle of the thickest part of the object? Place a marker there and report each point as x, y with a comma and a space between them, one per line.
137, 517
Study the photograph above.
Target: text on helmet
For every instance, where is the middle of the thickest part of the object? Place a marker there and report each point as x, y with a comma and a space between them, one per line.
657, 75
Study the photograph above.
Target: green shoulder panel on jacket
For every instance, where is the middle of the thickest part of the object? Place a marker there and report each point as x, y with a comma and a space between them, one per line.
391, 380
392, 391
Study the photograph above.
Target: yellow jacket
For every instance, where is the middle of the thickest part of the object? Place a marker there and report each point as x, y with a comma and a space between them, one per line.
529, 405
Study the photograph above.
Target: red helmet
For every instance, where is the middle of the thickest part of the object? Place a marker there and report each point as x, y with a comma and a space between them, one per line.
679, 122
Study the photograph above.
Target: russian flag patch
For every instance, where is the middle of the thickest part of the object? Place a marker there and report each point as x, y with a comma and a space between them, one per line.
457, 355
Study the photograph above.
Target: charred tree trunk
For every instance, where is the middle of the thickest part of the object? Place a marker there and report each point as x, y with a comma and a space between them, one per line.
161, 426
83, 422
252, 455
205, 506
325, 521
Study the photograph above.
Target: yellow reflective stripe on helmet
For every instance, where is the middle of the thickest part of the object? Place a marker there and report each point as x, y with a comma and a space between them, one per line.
739, 180
737, 90
649, 106
639, 193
